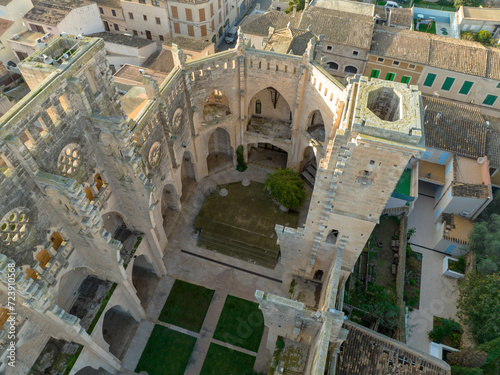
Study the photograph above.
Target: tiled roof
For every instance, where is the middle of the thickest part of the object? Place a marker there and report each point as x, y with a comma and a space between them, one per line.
366, 352
458, 55
401, 44
493, 148
258, 24
163, 63
52, 12
350, 29
126, 40
454, 127
192, 44
5, 2
438, 51
4, 25
401, 17
460, 189
299, 42
291, 41
109, 3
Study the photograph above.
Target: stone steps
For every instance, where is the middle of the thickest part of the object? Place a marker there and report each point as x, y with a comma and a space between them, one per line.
237, 249
309, 175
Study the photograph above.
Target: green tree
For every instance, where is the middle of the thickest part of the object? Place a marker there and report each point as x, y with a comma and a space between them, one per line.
467, 3
468, 35
300, 5
242, 166
485, 244
286, 186
483, 37
479, 305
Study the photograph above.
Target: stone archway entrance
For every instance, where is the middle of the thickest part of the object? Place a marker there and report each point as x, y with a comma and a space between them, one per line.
220, 152
118, 327
144, 279
308, 167
267, 155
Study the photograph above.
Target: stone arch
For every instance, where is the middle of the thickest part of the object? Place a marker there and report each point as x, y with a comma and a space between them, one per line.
170, 207
188, 174
115, 224
273, 105
69, 285
267, 155
316, 127
117, 326
350, 69
220, 152
87, 370
308, 166
216, 106
144, 278
69, 160
332, 65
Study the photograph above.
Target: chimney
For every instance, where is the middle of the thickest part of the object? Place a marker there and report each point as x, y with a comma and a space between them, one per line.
294, 10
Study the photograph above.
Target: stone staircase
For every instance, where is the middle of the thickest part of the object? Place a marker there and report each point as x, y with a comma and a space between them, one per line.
309, 174
236, 249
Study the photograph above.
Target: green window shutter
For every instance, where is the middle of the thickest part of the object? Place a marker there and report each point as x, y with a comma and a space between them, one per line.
498, 86
448, 82
390, 77
406, 79
466, 87
490, 99
429, 80
375, 73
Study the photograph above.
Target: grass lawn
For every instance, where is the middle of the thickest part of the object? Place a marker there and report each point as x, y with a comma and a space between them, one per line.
246, 214
241, 323
423, 28
224, 361
186, 305
167, 352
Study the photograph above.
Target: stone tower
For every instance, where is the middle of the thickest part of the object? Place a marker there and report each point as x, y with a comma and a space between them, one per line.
381, 129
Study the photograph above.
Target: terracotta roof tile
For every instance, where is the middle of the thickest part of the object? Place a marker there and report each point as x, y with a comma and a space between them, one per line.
493, 148
52, 12
350, 29
258, 24
454, 127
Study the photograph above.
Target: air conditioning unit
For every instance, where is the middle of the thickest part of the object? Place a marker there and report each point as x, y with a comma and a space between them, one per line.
465, 213
15, 36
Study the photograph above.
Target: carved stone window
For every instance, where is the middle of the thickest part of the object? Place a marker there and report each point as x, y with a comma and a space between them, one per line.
69, 160
154, 154
15, 226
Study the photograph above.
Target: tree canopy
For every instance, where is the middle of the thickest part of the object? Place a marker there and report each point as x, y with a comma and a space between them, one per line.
467, 3
485, 244
479, 305
300, 5
286, 186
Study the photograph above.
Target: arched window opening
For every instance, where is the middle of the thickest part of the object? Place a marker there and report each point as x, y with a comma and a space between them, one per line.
98, 180
351, 69
333, 65
56, 240
89, 194
332, 237
318, 275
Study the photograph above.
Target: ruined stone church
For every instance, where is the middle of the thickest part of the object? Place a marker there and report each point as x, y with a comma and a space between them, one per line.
79, 162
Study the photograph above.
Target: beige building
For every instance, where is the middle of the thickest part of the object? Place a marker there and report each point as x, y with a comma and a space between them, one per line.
57, 16
11, 23
475, 19
112, 16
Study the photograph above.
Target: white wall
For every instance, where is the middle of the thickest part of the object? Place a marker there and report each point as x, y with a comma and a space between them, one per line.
83, 20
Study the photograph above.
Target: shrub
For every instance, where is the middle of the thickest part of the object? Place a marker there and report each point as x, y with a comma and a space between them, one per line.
242, 166
467, 358
445, 328
286, 187
412, 282
486, 266
458, 266
457, 370
483, 36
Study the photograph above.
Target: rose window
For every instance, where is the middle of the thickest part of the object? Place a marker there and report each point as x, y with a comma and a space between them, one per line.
69, 160
154, 153
14, 226
176, 122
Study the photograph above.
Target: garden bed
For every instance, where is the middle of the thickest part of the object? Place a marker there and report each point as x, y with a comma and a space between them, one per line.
412, 280
447, 332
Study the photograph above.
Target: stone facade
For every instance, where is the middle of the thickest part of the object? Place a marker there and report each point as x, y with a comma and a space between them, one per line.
75, 168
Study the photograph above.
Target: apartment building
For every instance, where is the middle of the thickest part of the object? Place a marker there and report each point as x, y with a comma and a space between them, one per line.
112, 15
10, 24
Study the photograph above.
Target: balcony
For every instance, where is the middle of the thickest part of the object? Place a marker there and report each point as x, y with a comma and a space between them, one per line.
270, 128
431, 172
